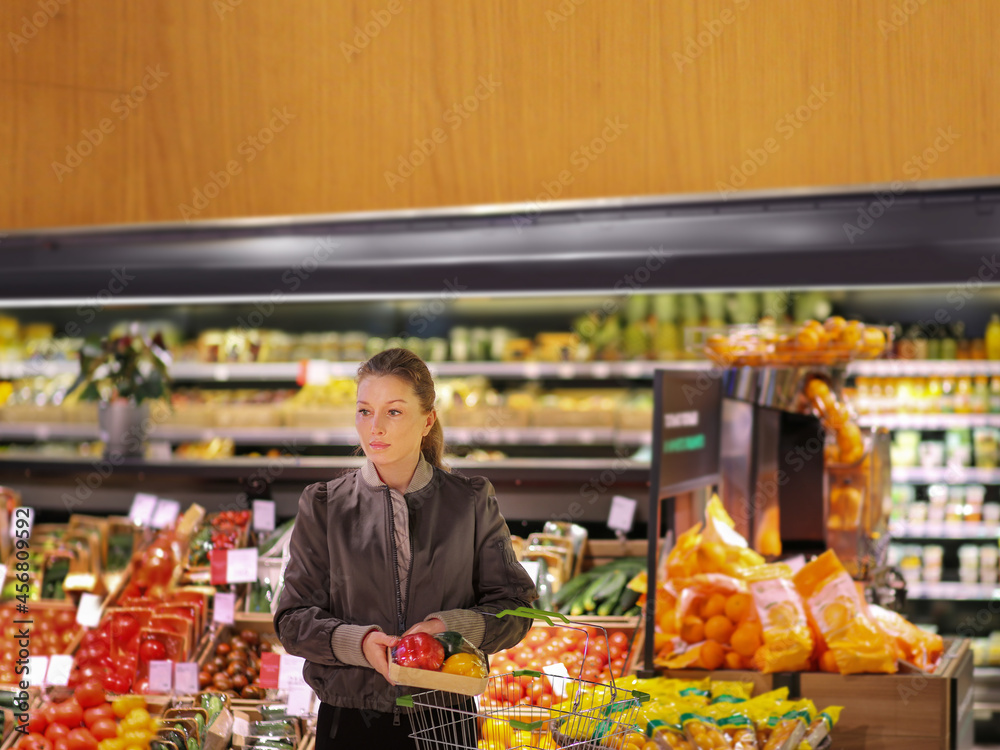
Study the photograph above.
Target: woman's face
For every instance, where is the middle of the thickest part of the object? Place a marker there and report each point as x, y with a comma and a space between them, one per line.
389, 421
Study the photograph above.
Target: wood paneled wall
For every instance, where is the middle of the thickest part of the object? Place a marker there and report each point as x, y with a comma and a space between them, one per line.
398, 103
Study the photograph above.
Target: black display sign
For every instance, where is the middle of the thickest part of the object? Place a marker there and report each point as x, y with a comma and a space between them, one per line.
686, 427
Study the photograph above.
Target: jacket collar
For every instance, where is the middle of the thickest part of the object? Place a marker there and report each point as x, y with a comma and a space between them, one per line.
421, 477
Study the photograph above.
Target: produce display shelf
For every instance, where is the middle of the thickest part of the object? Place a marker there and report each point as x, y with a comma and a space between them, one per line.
924, 367
289, 371
943, 530
929, 421
309, 468
947, 474
313, 436
953, 591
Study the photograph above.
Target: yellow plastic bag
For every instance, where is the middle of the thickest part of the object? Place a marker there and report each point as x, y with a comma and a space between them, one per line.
842, 617
788, 644
918, 647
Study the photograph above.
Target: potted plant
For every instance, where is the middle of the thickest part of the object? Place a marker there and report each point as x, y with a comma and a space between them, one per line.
124, 373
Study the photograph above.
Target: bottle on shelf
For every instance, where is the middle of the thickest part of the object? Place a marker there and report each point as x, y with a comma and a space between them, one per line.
949, 346
963, 395
994, 402
993, 338
980, 399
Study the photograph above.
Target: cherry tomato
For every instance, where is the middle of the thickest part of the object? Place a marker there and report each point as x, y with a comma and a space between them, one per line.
124, 627
69, 712
55, 731
90, 694
96, 713
34, 742
155, 651
81, 739
104, 729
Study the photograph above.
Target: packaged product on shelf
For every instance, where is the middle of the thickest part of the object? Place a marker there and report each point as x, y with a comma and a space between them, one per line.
913, 645
842, 618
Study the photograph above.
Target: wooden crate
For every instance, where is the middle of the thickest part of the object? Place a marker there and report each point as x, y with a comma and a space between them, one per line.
916, 710
600, 551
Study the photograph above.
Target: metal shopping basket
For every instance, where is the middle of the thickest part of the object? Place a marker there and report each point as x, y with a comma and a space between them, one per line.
589, 715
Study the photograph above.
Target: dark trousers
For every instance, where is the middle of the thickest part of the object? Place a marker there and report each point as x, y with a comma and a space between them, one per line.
351, 728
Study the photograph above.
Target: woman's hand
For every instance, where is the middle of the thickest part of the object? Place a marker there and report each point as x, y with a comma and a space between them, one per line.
433, 626
374, 648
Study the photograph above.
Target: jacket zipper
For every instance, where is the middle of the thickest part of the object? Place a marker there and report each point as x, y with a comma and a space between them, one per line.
395, 577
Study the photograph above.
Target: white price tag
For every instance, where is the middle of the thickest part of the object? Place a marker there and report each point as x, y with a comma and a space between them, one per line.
290, 672
300, 701
221, 373
165, 514
88, 613
263, 515
37, 666
186, 677
241, 565
622, 513
317, 372
224, 609
559, 685
241, 727
161, 676
141, 512
17, 522
60, 667
3, 574
532, 568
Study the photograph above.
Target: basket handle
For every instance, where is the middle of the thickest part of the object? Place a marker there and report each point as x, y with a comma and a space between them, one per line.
534, 614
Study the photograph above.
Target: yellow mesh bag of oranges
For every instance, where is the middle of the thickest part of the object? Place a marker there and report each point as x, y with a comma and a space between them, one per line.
787, 640
842, 617
918, 647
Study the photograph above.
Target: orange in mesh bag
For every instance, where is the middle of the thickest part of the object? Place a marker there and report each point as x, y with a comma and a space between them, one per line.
920, 648
788, 643
842, 617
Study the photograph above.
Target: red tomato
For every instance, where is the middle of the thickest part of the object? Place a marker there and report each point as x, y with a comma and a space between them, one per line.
545, 701
117, 683
37, 721
81, 739
124, 627
619, 639
69, 712
104, 729
61, 744
56, 731
615, 652
155, 651
96, 713
90, 694
93, 672
514, 693
593, 663
418, 651
536, 691
34, 742
65, 620
537, 637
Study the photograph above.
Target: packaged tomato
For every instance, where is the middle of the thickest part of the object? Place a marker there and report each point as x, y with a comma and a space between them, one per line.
788, 643
843, 619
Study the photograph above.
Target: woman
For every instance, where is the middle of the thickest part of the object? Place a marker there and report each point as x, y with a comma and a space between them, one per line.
397, 547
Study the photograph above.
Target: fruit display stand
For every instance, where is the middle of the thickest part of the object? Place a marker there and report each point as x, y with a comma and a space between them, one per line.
218, 635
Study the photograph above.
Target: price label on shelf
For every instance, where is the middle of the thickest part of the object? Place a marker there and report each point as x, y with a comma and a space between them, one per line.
532, 568
224, 608
161, 676
165, 514
270, 667
186, 677
622, 513
263, 515
37, 667
3, 574
559, 685
88, 613
141, 512
290, 672
60, 668
300, 701
317, 372
242, 565
241, 727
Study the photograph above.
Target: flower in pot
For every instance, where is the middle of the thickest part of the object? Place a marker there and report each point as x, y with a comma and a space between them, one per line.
124, 373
